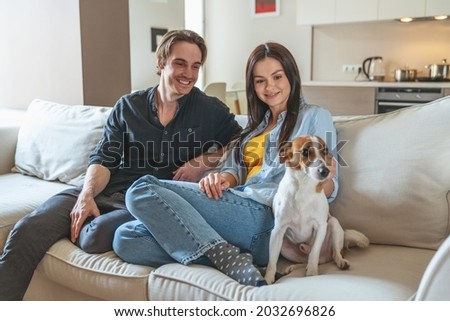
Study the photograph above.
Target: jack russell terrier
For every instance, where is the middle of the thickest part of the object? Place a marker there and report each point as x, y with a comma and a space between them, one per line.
304, 230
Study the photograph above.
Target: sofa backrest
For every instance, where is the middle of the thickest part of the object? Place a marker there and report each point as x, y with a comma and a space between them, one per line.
394, 168
242, 120
395, 175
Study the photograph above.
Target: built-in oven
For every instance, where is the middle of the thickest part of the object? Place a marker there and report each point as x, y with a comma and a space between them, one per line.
393, 98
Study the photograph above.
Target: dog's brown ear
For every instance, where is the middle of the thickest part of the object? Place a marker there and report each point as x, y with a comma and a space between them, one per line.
285, 151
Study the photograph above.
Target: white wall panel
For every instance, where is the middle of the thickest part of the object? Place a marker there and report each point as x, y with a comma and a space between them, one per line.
40, 54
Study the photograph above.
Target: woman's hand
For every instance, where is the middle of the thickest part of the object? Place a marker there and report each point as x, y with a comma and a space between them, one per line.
213, 184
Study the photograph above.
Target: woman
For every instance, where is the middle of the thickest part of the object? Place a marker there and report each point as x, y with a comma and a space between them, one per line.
230, 227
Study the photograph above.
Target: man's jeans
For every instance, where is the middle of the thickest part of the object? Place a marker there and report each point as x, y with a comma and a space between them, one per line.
34, 234
176, 222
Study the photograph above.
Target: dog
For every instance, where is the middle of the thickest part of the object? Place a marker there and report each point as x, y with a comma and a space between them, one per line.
304, 231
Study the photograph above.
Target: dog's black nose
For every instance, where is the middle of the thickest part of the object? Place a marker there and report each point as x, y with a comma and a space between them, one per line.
323, 171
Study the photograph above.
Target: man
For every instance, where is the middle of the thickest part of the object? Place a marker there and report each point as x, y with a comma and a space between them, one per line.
167, 131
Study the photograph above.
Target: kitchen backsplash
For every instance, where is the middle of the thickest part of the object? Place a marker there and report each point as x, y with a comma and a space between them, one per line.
411, 45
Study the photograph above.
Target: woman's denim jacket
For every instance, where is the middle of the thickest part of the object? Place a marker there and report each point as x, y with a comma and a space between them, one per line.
261, 187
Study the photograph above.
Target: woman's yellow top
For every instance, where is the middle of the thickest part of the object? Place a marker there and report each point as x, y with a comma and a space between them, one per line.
254, 154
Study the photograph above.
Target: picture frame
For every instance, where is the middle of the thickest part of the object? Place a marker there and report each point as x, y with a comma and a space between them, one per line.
265, 8
156, 34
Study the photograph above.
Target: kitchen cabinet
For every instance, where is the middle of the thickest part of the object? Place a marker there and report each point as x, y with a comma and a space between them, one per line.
321, 12
356, 10
315, 12
342, 100
437, 7
447, 92
388, 9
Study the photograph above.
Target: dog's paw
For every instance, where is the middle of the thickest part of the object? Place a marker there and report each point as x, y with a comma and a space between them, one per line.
312, 271
269, 276
275, 278
269, 280
343, 264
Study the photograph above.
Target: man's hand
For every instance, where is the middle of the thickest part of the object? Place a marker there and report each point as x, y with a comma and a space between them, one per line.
191, 171
195, 169
97, 177
213, 184
84, 207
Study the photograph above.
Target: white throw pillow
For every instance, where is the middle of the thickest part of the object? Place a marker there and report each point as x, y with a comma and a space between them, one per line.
55, 140
395, 183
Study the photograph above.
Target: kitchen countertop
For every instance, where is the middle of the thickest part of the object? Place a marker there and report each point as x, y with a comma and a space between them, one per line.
402, 84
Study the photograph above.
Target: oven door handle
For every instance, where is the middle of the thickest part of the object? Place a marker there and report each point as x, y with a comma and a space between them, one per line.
395, 104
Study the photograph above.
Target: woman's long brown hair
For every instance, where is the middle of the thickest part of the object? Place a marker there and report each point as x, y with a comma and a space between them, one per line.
256, 107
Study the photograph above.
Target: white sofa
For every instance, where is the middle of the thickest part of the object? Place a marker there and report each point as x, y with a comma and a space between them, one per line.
394, 187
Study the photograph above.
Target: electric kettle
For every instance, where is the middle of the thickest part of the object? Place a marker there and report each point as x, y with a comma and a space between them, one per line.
373, 68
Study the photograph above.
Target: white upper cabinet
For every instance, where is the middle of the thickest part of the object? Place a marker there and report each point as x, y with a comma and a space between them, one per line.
437, 7
356, 10
314, 12
319, 12
388, 9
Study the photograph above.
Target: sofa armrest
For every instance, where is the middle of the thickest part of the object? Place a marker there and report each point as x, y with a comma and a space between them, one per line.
434, 285
8, 142
10, 121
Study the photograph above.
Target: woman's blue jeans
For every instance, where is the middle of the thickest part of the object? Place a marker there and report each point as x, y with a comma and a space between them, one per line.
178, 222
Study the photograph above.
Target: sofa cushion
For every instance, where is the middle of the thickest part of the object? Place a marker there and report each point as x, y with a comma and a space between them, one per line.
98, 275
55, 140
15, 204
395, 175
367, 279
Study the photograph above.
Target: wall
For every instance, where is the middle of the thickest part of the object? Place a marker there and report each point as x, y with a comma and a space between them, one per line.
41, 56
145, 14
105, 44
413, 44
71, 51
232, 33
193, 20
40, 52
